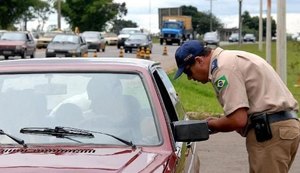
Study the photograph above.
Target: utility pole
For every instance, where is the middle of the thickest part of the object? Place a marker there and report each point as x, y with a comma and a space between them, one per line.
281, 40
210, 15
268, 39
260, 27
240, 22
59, 14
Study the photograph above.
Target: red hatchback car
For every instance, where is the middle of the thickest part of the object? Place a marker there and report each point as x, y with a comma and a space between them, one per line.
17, 43
91, 115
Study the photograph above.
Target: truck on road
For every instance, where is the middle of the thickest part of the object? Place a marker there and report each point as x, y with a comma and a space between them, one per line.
175, 29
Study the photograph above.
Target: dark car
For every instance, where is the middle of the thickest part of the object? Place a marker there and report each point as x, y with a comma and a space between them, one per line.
67, 45
234, 37
95, 40
17, 43
124, 34
91, 115
136, 41
249, 38
211, 38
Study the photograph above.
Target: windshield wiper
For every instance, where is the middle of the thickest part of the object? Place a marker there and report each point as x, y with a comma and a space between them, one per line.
59, 132
65, 132
19, 141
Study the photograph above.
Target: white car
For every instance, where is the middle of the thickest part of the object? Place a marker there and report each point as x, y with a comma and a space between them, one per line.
211, 38
111, 38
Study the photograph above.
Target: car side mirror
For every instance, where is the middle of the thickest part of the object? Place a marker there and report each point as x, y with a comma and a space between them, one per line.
190, 130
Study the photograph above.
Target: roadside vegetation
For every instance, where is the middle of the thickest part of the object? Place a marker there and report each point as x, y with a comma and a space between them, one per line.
200, 100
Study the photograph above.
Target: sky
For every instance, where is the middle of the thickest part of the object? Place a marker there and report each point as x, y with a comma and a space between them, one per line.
145, 12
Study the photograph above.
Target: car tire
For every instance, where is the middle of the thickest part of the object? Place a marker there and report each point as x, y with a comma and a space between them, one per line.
23, 55
103, 50
32, 55
6, 57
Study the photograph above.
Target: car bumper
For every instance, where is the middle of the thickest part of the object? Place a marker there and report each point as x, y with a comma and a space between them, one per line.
62, 54
12, 52
93, 45
131, 47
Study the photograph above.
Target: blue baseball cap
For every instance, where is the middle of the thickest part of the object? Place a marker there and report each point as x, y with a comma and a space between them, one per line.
186, 54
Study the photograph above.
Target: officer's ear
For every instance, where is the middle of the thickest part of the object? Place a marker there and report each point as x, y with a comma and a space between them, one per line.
199, 59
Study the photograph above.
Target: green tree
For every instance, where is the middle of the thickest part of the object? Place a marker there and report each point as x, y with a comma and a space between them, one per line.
201, 20
91, 14
118, 24
14, 10
251, 24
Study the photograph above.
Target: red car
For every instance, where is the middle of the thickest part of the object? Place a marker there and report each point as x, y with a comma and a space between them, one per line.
91, 115
17, 43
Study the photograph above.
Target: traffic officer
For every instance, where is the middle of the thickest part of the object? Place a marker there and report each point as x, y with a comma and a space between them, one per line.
256, 102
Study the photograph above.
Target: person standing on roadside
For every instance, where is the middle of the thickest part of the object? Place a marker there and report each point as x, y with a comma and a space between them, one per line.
256, 102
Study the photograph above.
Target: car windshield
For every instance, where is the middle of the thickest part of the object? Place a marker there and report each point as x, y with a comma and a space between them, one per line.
66, 38
171, 25
14, 36
50, 34
130, 31
137, 37
90, 34
210, 35
110, 103
110, 35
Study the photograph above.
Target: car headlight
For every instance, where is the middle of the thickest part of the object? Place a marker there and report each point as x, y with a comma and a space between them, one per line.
144, 44
50, 50
127, 44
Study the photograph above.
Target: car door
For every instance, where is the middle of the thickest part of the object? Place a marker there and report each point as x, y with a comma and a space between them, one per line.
171, 104
83, 46
30, 44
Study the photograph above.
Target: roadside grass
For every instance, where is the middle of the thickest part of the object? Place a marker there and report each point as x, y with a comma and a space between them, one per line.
200, 100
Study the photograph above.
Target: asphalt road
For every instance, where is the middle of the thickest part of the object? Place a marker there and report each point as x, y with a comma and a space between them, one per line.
223, 152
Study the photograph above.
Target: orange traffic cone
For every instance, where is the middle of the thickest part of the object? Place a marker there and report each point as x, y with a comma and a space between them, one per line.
165, 52
138, 53
147, 55
121, 52
142, 53
86, 54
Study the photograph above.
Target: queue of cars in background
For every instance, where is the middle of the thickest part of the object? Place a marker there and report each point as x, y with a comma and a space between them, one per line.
125, 33
138, 41
95, 40
112, 114
17, 43
67, 45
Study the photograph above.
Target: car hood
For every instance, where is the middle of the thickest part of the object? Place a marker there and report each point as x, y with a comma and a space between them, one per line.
108, 160
11, 43
170, 31
62, 46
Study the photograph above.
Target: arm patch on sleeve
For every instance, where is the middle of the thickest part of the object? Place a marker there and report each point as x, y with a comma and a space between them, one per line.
221, 83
